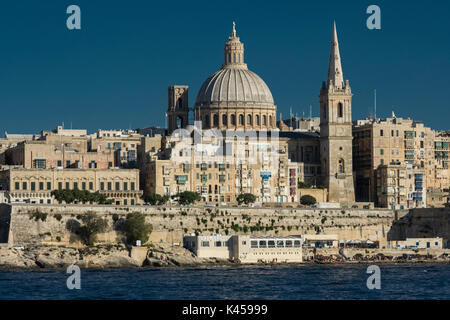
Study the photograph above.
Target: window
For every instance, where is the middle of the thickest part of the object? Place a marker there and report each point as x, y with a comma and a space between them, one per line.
102, 186
59, 163
41, 186
264, 120
253, 244
132, 186
280, 244
67, 163
33, 186
249, 119
224, 120
381, 132
39, 163
205, 243
233, 120
109, 164
216, 120
241, 119
24, 186
340, 110
83, 185
288, 243
17, 186
341, 167
91, 186
49, 185
381, 151
257, 120
75, 185
109, 186
125, 186
218, 243
263, 244
59, 185
117, 185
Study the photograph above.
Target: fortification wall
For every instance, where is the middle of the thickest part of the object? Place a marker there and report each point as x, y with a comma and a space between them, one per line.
170, 223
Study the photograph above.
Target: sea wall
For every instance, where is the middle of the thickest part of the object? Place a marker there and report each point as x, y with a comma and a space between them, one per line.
170, 223
422, 223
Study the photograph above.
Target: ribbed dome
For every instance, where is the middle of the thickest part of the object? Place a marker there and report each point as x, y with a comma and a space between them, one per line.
234, 86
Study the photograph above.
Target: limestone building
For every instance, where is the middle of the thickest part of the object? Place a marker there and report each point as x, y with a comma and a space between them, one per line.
396, 141
36, 185
237, 104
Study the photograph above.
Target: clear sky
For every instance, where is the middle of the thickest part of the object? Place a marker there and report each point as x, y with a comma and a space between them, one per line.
114, 72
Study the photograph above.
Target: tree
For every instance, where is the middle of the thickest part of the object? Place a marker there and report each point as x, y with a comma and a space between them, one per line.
246, 198
156, 199
307, 200
304, 185
93, 225
188, 197
70, 196
136, 228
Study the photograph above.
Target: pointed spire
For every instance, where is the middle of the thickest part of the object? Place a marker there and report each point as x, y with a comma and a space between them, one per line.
335, 68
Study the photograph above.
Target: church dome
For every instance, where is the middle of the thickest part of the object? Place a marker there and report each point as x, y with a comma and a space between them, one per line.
231, 86
235, 97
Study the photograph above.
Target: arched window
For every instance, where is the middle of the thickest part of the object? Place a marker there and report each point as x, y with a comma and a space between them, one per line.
233, 120
249, 119
264, 120
179, 103
341, 166
241, 119
216, 120
224, 120
257, 120
340, 110
270, 121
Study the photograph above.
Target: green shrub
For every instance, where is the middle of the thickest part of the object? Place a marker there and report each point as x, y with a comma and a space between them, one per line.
156, 199
307, 200
136, 228
246, 198
38, 215
93, 225
187, 197
58, 217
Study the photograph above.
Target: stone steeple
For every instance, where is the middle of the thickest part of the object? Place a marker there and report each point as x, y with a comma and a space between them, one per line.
335, 75
234, 52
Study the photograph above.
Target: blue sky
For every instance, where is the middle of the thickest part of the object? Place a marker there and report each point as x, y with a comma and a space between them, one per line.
114, 72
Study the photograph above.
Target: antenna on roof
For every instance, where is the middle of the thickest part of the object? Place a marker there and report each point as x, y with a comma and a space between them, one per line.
375, 104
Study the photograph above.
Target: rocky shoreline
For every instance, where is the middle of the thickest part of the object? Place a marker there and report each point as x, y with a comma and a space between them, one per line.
160, 256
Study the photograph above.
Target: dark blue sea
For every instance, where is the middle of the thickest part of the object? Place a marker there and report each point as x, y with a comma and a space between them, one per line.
415, 281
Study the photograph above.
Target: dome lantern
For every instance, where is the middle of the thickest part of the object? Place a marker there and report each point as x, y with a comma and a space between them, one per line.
234, 52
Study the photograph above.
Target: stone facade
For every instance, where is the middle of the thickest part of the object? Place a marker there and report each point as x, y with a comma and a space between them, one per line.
336, 131
36, 185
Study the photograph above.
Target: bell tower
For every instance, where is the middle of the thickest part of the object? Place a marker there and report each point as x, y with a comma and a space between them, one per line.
336, 131
178, 108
